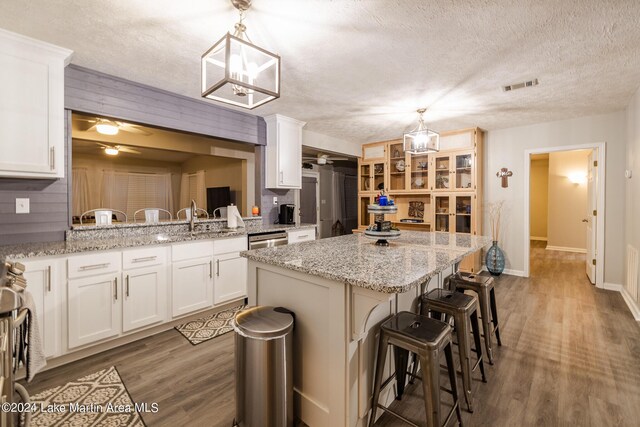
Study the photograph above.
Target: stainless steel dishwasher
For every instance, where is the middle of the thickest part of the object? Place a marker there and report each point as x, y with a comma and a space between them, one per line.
267, 240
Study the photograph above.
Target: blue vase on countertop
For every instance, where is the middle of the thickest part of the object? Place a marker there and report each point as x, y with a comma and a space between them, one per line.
495, 260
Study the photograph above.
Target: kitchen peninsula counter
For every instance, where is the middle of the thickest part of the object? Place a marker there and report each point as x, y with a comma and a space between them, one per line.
155, 235
355, 260
341, 289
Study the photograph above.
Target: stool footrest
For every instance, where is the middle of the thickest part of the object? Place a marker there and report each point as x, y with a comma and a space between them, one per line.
397, 415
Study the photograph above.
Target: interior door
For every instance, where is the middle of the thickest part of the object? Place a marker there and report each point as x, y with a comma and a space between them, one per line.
592, 185
308, 200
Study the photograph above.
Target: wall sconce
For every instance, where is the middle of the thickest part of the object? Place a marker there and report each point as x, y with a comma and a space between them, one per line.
504, 173
577, 178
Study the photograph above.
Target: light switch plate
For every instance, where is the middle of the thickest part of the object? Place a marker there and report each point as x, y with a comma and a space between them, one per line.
22, 206
275, 200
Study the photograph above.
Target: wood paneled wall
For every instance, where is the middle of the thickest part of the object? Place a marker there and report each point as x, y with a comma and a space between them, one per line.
93, 92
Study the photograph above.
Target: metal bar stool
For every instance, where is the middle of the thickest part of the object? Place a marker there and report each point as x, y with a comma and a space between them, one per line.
428, 338
483, 287
463, 309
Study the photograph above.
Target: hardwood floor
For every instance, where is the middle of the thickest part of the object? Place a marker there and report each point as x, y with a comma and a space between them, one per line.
569, 357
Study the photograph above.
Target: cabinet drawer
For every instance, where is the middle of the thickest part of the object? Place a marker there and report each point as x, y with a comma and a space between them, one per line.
91, 265
191, 250
224, 246
298, 236
145, 257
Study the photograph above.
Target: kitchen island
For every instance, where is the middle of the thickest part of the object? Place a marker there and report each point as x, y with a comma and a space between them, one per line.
341, 289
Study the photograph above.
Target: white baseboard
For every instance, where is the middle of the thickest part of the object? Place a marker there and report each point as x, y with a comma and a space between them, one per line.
566, 249
510, 272
542, 239
506, 271
633, 306
612, 286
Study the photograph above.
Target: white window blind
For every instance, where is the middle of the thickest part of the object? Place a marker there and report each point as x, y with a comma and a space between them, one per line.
132, 191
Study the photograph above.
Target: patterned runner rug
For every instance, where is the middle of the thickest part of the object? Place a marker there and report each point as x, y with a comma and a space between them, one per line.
99, 399
214, 325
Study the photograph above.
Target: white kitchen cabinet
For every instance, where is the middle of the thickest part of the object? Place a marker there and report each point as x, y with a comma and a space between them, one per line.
192, 285
304, 235
230, 277
31, 107
144, 297
283, 155
94, 308
48, 291
230, 280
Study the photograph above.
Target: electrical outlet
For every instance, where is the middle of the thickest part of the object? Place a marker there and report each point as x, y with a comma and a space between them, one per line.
22, 206
275, 200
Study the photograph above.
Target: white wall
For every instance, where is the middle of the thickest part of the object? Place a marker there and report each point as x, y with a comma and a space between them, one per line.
632, 227
567, 205
505, 148
329, 143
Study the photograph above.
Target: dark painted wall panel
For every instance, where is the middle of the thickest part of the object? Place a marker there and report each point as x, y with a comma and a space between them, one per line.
93, 92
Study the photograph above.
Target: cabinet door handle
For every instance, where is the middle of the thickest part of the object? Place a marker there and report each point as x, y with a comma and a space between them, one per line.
210, 269
281, 177
52, 160
49, 279
94, 266
115, 289
127, 286
303, 236
217, 268
144, 259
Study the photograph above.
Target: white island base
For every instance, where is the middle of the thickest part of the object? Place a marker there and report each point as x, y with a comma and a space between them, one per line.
335, 340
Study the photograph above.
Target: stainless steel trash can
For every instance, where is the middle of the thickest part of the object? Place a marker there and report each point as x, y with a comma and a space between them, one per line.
264, 368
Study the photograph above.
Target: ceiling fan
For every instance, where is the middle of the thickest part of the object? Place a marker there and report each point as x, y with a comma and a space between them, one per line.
112, 127
114, 150
322, 159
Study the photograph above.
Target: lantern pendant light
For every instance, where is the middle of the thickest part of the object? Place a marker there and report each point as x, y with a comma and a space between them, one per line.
421, 140
237, 72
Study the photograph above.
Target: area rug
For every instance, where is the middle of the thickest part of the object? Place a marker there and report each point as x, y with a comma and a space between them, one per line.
98, 400
214, 325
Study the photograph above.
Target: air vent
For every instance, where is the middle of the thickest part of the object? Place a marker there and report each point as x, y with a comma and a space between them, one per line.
528, 83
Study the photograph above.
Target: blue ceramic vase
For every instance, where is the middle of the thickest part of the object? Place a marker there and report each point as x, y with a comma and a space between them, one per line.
495, 260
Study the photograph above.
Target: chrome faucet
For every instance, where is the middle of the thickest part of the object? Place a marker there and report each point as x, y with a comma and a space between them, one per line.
192, 220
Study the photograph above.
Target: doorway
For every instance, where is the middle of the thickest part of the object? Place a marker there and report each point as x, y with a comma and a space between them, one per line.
310, 198
564, 206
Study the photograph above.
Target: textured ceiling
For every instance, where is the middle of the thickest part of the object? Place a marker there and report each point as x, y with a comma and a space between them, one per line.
357, 70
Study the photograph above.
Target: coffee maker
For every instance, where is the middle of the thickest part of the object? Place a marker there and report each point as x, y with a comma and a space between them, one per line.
286, 214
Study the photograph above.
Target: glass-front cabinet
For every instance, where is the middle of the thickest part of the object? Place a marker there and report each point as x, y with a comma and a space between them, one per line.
419, 179
453, 213
397, 167
407, 172
464, 171
371, 176
442, 172
364, 177
453, 172
364, 217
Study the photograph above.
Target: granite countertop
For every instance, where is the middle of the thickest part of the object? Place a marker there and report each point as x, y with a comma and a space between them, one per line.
354, 259
32, 250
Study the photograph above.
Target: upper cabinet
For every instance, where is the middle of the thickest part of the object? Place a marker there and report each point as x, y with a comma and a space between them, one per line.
31, 107
283, 161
